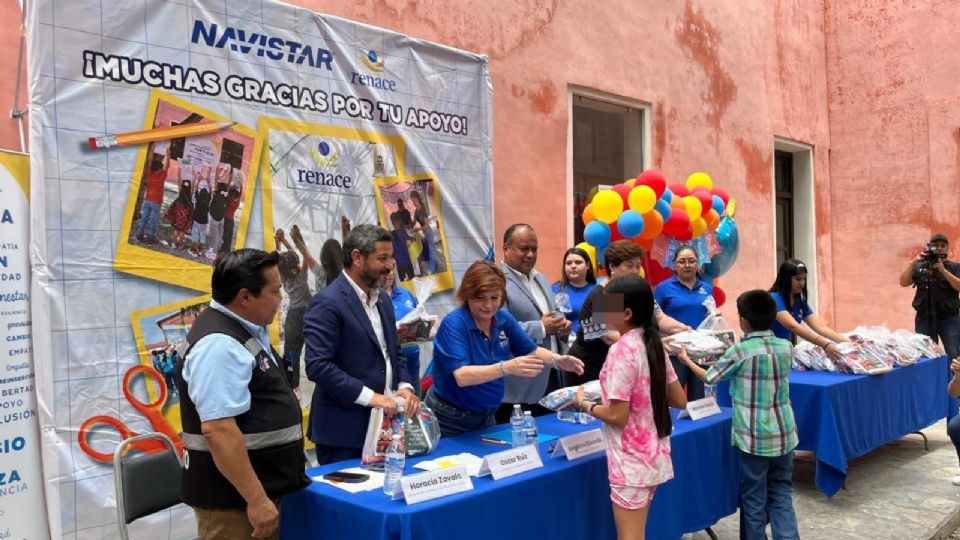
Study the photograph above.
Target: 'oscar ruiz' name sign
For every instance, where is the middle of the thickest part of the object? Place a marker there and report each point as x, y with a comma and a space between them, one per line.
435, 484
511, 462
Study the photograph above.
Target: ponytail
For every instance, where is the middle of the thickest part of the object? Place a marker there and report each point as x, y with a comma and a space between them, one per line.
657, 360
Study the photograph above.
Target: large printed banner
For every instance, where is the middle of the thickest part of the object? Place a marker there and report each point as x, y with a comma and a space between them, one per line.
322, 124
21, 484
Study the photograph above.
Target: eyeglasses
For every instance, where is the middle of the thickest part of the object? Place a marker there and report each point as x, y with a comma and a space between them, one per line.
686, 262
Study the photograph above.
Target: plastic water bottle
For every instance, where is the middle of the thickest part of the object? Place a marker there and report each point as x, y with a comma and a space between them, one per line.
710, 391
516, 427
530, 433
395, 462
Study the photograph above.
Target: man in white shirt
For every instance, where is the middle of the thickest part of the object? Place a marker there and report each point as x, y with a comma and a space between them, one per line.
353, 352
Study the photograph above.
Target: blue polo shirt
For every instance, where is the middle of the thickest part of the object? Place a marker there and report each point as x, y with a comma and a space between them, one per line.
800, 311
459, 342
682, 303
403, 303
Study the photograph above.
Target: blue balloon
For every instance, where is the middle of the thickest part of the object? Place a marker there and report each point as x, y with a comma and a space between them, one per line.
597, 234
663, 208
718, 205
630, 224
729, 240
667, 196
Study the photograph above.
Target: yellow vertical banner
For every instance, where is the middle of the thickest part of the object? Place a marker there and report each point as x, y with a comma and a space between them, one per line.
21, 482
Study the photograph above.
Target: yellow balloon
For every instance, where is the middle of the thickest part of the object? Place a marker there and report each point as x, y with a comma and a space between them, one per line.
592, 252
731, 207
642, 273
607, 206
642, 199
694, 206
699, 179
699, 226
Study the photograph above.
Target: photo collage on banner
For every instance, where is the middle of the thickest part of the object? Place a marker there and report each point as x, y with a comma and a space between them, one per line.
278, 147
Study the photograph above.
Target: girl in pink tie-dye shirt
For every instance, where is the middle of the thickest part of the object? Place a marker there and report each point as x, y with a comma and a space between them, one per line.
638, 386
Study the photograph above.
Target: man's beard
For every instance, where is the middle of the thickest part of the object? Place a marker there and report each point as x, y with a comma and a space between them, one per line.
372, 279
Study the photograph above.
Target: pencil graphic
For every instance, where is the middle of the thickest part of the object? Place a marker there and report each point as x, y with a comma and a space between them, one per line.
157, 134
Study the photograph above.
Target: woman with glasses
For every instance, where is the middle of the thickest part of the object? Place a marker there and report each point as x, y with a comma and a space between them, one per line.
621, 258
684, 297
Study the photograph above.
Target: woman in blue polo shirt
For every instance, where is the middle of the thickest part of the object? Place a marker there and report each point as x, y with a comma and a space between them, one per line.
683, 297
403, 303
476, 346
576, 281
790, 293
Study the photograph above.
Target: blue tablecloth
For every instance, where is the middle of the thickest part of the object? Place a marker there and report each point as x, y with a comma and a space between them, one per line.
564, 499
840, 417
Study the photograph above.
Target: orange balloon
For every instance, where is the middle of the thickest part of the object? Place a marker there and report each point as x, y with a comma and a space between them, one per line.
652, 225
677, 202
712, 218
588, 214
632, 182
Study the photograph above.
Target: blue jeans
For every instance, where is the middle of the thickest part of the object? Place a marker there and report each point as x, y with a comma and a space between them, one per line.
766, 494
687, 378
149, 214
454, 420
953, 430
947, 329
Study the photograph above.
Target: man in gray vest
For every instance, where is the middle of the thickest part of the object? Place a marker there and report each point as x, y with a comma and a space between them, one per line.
242, 426
530, 301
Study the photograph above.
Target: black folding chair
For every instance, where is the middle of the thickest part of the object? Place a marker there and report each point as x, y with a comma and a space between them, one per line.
145, 482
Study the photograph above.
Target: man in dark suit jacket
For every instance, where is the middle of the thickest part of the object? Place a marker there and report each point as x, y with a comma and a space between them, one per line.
353, 353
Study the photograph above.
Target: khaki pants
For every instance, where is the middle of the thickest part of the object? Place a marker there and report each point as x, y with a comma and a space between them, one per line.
220, 524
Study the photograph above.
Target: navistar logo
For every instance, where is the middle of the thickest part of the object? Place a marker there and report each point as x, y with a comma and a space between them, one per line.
257, 44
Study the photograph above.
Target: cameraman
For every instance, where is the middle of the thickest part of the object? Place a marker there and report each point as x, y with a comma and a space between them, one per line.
937, 299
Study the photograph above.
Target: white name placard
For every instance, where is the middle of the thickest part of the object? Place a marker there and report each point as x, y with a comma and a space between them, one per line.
581, 444
511, 462
703, 408
435, 484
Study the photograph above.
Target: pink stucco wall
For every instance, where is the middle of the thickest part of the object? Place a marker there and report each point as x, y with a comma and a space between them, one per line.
869, 85
895, 146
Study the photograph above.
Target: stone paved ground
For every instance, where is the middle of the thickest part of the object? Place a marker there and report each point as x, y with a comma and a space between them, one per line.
899, 491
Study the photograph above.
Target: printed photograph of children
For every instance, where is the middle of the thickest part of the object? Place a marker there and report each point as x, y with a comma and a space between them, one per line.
187, 198
159, 333
410, 210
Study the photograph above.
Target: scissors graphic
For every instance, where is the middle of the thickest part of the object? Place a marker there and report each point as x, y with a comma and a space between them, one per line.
153, 412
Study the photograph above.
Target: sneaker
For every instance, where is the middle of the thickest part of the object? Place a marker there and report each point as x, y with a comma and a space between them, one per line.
956, 480
210, 254
139, 238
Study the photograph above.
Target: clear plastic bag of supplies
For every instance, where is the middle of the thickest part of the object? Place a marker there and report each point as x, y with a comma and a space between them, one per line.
422, 432
380, 431
715, 325
419, 325
701, 347
563, 397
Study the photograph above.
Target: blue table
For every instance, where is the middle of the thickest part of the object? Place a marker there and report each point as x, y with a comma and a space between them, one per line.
564, 499
840, 417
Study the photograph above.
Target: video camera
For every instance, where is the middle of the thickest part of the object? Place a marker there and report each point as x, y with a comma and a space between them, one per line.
931, 255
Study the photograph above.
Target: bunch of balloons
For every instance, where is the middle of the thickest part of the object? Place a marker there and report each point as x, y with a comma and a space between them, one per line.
644, 208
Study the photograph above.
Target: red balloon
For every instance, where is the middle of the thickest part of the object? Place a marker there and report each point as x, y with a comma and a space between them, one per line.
614, 233
678, 223
719, 296
624, 191
705, 197
722, 194
679, 190
686, 235
654, 180
654, 271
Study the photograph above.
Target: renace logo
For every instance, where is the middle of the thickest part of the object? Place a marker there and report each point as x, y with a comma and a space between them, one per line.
274, 48
325, 157
374, 63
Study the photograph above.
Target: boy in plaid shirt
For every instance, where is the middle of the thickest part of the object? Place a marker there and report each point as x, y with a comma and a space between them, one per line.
763, 426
